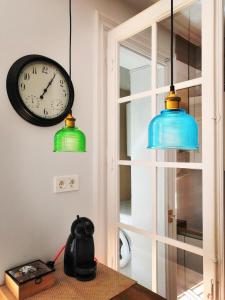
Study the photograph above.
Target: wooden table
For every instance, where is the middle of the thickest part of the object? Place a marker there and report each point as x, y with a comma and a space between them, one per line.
108, 282
136, 292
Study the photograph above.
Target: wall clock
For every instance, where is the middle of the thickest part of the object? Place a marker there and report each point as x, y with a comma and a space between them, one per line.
40, 90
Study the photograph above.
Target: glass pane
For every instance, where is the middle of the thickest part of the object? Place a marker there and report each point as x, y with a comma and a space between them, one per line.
187, 46
134, 120
135, 196
135, 257
135, 64
180, 273
191, 101
179, 204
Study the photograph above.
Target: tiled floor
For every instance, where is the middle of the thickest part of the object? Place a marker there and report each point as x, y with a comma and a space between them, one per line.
187, 279
195, 293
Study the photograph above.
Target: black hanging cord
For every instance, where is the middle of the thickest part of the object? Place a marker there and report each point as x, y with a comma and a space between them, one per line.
70, 39
171, 48
188, 62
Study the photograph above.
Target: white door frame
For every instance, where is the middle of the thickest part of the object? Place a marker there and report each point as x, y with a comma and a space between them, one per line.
212, 119
220, 166
103, 25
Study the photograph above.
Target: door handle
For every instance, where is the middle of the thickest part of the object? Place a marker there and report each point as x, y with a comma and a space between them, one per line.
211, 294
171, 216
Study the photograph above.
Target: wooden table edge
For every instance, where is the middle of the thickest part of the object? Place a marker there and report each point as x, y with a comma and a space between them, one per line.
137, 292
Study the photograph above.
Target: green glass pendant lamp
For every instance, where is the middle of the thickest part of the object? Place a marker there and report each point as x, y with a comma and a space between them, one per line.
173, 128
70, 138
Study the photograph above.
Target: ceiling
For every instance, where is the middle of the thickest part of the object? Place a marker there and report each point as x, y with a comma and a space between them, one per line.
140, 4
181, 19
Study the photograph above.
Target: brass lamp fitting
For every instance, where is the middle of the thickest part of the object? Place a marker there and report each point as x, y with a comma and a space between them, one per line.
172, 101
70, 121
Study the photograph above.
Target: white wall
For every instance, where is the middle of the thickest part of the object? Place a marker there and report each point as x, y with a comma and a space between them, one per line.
34, 222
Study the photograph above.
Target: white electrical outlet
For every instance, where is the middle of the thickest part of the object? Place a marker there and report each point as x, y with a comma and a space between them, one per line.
66, 183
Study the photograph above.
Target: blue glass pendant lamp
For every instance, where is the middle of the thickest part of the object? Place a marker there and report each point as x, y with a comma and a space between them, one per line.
69, 138
173, 128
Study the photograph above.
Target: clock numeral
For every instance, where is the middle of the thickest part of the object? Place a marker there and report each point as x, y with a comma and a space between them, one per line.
61, 83
23, 86
34, 70
45, 112
65, 94
59, 104
45, 69
26, 76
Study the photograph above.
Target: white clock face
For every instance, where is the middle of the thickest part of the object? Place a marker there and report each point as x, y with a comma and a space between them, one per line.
43, 89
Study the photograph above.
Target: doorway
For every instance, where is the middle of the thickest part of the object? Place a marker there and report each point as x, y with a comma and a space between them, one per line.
161, 203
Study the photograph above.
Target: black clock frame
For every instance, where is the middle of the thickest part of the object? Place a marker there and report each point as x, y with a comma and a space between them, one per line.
16, 100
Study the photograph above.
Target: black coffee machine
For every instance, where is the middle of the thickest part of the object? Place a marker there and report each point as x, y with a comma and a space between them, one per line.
79, 259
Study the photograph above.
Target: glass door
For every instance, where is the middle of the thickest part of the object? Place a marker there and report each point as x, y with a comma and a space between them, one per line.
161, 203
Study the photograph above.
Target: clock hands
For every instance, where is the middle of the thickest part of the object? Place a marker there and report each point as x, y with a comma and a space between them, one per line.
45, 90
